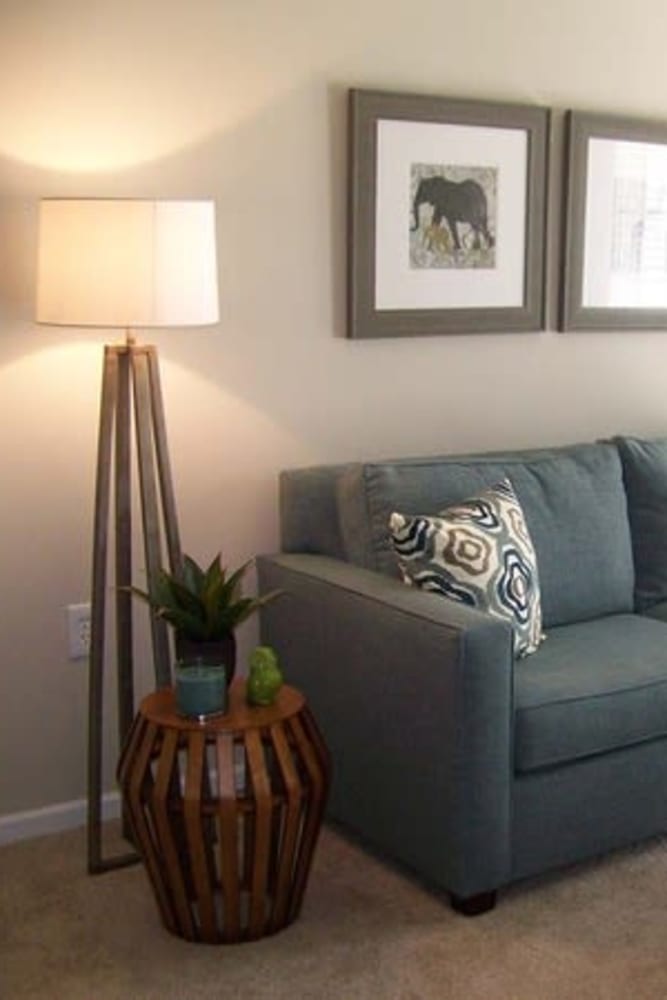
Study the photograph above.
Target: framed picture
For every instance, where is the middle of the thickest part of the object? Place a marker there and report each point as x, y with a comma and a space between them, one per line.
446, 215
615, 261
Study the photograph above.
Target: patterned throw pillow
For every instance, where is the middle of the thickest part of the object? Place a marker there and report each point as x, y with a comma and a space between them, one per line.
477, 552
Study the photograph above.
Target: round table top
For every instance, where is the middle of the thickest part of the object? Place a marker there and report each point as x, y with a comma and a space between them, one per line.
160, 708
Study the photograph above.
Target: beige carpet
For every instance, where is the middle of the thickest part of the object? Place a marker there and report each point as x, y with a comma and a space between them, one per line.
367, 932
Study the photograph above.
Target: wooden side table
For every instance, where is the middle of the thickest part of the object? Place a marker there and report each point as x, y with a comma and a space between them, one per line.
226, 813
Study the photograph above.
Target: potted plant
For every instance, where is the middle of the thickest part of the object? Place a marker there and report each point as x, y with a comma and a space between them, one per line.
204, 607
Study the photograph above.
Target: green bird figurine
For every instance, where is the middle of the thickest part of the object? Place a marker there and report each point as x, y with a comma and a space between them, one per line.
265, 678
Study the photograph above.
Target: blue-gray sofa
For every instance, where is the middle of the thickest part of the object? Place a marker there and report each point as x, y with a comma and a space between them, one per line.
470, 766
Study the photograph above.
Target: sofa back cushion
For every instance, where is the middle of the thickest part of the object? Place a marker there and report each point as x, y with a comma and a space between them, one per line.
573, 500
645, 475
309, 519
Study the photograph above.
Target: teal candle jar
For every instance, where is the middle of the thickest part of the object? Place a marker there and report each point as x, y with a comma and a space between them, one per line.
201, 689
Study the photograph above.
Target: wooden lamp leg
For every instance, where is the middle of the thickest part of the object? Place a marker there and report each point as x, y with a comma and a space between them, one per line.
126, 367
149, 505
108, 413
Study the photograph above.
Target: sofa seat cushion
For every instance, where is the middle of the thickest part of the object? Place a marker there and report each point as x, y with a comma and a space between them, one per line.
590, 688
572, 498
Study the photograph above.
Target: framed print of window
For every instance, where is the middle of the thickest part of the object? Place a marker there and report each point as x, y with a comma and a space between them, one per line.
446, 215
615, 261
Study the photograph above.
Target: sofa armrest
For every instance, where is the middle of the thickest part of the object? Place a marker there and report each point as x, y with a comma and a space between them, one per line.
414, 696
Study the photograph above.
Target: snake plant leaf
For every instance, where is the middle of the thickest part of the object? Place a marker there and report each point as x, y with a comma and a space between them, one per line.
259, 602
214, 574
184, 622
212, 608
141, 594
193, 576
177, 595
238, 612
233, 584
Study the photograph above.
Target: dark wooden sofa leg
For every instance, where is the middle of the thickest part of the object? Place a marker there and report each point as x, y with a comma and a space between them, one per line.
473, 906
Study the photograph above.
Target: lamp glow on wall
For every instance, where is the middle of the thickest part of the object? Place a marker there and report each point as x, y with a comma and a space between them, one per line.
126, 263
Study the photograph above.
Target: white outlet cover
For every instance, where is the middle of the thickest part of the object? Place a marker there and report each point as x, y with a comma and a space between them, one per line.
78, 630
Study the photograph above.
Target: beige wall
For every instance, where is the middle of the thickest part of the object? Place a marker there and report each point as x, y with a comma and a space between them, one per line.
245, 102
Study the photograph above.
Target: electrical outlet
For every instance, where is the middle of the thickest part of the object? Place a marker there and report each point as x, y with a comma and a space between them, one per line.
78, 630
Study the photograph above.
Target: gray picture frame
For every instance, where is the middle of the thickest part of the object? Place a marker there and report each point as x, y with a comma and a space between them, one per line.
366, 109
579, 259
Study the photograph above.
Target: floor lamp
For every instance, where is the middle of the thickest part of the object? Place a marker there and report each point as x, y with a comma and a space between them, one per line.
126, 263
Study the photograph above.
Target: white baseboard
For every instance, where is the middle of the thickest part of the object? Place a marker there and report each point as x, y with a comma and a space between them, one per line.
53, 819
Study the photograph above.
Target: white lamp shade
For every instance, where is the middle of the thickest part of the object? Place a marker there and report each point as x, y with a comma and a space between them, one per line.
127, 263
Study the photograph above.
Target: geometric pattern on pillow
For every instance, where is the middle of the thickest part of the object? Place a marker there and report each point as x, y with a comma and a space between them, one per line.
478, 552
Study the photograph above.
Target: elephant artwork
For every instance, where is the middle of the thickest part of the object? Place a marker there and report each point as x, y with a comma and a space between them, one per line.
453, 217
